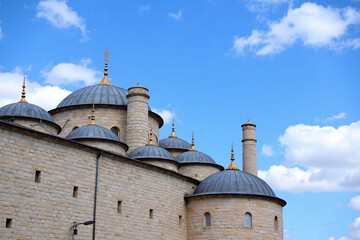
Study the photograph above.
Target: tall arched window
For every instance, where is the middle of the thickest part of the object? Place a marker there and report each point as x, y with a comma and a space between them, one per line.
276, 223
248, 220
116, 130
207, 217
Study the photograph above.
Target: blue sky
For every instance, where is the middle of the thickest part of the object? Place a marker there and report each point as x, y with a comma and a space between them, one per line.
292, 67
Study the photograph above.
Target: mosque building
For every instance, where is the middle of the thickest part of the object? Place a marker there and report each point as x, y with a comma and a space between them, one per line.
94, 168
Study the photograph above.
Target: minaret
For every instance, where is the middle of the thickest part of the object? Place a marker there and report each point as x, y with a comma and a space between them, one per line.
137, 120
249, 148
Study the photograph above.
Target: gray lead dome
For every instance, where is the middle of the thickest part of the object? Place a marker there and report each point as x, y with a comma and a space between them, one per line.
23, 109
150, 152
93, 132
234, 182
174, 143
96, 94
194, 157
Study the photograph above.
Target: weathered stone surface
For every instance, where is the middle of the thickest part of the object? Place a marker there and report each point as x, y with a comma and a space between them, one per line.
227, 218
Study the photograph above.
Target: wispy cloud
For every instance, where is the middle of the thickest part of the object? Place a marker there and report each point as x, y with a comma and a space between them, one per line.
177, 16
341, 115
335, 117
60, 15
318, 159
70, 73
144, 8
166, 115
46, 96
264, 5
311, 24
267, 150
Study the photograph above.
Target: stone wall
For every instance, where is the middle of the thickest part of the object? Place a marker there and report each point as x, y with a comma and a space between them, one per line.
46, 209
227, 218
198, 171
79, 116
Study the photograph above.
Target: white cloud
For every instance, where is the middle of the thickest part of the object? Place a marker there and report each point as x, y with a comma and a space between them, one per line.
267, 150
47, 97
69, 73
311, 24
165, 114
328, 156
59, 14
355, 229
144, 8
177, 16
355, 203
326, 147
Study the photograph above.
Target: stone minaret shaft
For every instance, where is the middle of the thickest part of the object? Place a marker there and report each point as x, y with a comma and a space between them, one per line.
137, 128
249, 148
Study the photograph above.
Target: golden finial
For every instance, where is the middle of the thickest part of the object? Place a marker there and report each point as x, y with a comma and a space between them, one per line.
232, 164
23, 100
192, 143
92, 122
150, 143
173, 135
105, 80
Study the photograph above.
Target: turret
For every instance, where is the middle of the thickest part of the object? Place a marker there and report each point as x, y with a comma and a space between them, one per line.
249, 148
137, 128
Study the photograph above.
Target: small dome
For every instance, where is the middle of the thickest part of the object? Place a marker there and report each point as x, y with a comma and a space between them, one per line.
194, 157
24, 109
96, 94
150, 152
93, 132
234, 182
174, 143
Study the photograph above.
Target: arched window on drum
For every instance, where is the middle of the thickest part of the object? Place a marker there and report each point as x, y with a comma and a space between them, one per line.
116, 130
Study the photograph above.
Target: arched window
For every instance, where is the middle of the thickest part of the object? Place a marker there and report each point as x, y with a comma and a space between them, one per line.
207, 219
116, 130
276, 223
248, 220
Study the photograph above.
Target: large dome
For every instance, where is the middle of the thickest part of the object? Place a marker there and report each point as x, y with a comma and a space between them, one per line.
150, 152
96, 94
93, 132
27, 110
174, 143
234, 182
